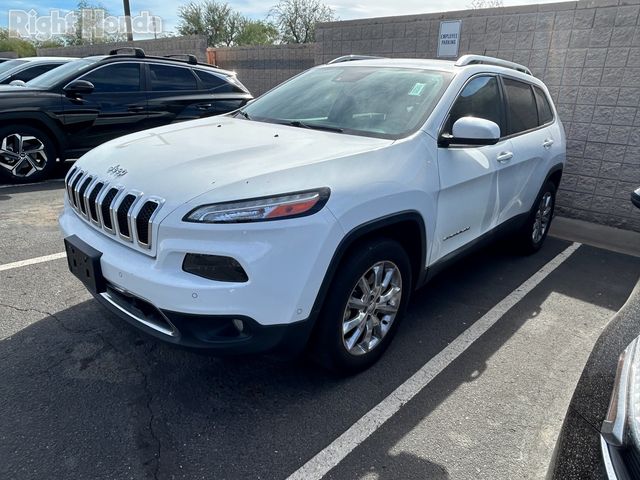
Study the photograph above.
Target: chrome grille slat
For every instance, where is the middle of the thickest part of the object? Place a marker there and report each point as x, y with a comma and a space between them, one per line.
91, 201
128, 214
84, 185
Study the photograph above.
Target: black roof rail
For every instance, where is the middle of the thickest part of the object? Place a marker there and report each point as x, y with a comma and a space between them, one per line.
138, 52
351, 58
189, 58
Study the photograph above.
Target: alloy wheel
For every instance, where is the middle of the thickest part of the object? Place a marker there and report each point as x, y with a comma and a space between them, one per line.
543, 217
372, 307
22, 155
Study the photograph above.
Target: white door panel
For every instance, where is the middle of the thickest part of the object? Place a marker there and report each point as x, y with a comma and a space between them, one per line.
468, 198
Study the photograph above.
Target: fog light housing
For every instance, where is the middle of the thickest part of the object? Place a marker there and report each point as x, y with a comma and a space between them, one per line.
214, 267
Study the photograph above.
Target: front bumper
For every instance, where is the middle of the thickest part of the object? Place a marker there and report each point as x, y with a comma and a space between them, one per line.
216, 333
285, 261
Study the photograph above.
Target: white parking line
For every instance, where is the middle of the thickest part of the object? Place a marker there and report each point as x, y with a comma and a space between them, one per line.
334, 453
32, 261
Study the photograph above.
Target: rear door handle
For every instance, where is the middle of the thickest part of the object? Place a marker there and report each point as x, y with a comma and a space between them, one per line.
136, 108
547, 143
504, 157
204, 106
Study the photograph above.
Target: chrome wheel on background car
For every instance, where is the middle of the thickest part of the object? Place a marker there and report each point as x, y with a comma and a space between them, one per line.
372, 308
542, 217
22, 155
27, 153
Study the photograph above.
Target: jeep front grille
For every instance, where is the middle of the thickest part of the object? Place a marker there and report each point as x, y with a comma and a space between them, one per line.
126, 214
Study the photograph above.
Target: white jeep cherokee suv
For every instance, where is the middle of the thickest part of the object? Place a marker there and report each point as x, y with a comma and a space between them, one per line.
307, 218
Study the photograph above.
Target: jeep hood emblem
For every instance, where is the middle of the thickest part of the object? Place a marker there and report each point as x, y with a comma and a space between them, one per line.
116, 171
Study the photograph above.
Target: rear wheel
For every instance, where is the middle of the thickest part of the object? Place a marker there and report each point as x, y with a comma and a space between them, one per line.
27, 154
364, 305
534, 232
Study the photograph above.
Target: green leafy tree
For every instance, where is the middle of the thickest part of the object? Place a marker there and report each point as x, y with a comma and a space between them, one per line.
208, 18
22, 48
257, 32
296, 19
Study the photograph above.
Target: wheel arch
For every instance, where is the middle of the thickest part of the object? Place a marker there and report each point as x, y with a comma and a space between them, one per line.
407, 228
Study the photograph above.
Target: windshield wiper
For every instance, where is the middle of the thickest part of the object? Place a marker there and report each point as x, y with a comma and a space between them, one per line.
313, 126
244, 114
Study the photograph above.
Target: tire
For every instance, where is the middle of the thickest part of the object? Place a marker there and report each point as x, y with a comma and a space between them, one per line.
349, 353
27, 154
533, 233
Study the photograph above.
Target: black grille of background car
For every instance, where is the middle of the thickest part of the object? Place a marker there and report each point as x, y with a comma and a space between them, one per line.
101, 204
142, 220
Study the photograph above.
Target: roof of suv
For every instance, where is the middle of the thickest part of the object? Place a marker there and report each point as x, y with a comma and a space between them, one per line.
155, 59
454, 66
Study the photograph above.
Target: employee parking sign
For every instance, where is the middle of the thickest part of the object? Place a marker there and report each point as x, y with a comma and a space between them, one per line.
449, 39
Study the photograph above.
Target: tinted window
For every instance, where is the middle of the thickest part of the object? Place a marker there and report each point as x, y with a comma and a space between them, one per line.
213, 82
34, 72
164, 77
119, 77
545, 113
523, 113
480, 98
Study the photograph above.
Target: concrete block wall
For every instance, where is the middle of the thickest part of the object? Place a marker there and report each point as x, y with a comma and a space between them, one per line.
193, 44
260, 68
587, 52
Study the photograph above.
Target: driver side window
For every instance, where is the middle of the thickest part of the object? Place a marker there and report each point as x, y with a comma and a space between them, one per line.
480, 98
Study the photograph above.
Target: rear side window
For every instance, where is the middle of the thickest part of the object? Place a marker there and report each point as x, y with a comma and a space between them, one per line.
523, 112
480, 98
167, 78
213, 82
117, 77
545, 114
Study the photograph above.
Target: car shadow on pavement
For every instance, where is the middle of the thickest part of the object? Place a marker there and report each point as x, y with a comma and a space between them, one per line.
83, 395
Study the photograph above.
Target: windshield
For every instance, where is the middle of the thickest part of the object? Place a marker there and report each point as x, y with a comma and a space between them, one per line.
52, 77
10, 65
384, 102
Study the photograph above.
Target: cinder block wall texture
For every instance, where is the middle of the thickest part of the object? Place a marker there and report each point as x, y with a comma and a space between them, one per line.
194, 44
588, 54
263, 67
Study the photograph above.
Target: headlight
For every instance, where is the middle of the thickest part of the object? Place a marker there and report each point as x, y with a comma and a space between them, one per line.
297, 204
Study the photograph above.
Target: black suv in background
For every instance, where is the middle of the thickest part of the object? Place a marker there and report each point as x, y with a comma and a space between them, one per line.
76, 107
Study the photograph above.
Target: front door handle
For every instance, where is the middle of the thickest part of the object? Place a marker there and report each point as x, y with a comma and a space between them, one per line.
136, 108
204, 106
504, 157
547, 143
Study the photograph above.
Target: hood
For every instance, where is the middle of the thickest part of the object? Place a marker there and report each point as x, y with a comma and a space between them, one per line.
182, 161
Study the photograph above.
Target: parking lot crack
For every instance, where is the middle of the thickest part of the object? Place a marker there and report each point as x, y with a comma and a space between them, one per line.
150, 424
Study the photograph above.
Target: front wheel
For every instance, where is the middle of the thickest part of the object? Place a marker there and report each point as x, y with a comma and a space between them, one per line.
534, 232
27, 154
365, 303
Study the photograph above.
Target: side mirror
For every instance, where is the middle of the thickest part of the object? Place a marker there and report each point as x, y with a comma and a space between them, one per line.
635, 197
79, 87
471, 131
18, 83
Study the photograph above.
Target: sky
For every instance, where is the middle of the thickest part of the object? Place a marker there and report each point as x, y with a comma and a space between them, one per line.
258, 9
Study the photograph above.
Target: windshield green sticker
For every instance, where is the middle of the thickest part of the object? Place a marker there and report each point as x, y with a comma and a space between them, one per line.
417, 89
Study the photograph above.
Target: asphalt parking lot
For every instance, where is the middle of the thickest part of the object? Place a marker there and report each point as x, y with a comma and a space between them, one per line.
475, 385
